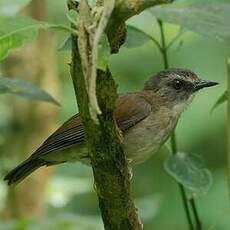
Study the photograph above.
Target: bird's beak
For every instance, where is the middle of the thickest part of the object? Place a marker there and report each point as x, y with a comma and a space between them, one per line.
204, 83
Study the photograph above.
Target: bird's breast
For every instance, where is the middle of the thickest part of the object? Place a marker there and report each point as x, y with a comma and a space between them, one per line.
146, 137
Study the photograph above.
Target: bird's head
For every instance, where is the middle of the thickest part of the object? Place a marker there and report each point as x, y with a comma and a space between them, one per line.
177, 86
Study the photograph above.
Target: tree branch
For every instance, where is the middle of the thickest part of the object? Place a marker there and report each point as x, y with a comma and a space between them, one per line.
108, 160
110, 168
124, 9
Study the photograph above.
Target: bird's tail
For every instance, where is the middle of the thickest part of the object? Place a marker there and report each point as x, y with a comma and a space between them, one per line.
23, 170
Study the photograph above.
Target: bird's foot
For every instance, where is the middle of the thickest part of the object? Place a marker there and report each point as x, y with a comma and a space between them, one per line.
130, 171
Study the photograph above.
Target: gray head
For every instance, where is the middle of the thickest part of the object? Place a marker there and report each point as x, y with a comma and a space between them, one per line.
176, 85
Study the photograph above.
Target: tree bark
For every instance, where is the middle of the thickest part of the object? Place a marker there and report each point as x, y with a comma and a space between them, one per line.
32, 121
108, 160
124, 9
110, 168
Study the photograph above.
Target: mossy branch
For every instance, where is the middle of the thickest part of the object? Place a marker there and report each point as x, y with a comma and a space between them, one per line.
110, 168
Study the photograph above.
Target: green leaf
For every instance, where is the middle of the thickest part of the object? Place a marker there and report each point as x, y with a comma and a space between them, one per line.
72, 16
24, 89
221, 100
190, 171
136, 37
103, 53
67, 45
209, 18
11, 7
14, 31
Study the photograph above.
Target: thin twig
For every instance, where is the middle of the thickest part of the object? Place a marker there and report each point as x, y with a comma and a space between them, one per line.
186, 206
107, 11
83, 39
228, 122
173, 137
196, 215
147, 35
178, 35
163, 45
91, 28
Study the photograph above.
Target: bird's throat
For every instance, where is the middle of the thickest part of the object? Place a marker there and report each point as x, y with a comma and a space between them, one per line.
181, 106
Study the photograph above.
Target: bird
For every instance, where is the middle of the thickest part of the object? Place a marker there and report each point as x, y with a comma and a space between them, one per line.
146, 119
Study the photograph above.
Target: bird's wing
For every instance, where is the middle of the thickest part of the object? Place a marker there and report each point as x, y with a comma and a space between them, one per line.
130, 109
69, 134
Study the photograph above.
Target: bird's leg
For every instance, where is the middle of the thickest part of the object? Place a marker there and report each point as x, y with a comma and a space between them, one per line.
96, 189
94, 186
130, 172
120, 135
139, 220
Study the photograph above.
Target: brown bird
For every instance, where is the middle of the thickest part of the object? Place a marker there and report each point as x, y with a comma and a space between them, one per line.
146, 119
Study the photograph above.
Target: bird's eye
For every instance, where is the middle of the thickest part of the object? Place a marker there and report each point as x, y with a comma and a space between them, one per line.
177, 84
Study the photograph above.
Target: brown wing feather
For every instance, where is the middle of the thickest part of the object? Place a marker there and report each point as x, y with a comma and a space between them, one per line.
130, 109
66, 136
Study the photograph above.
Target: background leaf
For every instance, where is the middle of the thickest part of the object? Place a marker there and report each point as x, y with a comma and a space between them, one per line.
136, 37
104, 53
209, 18
11, 7
221, 100
14, 31
24, 89
72, 16
190, 171
67, 45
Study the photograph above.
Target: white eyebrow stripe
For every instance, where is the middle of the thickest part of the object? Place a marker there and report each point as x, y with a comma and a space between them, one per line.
184, 78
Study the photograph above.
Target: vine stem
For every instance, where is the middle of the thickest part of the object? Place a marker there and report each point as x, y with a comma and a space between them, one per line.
196, 216
228, 119
163, 51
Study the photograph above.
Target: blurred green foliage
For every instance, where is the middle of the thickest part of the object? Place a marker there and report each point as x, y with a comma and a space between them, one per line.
71, 201
24, 89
